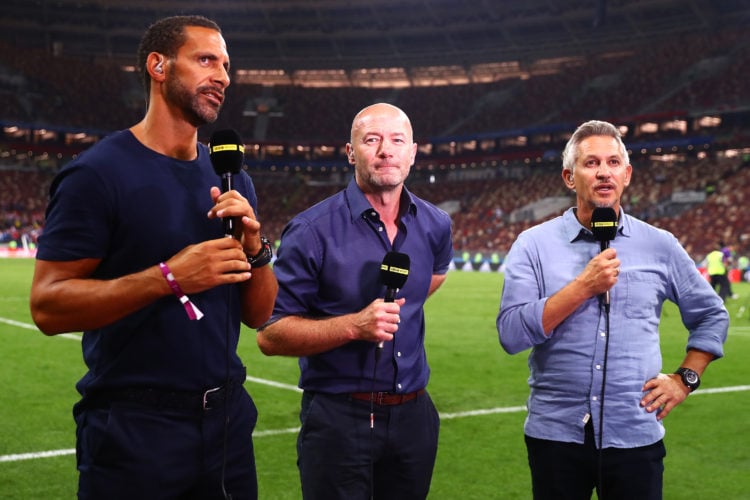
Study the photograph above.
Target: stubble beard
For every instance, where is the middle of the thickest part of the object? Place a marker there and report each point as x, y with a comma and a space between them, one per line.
196, 112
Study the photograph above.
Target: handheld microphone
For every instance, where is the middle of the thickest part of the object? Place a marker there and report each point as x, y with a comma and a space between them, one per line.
227, 154
604, 227
393, 273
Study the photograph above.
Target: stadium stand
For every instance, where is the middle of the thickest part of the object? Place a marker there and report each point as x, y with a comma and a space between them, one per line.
488, 149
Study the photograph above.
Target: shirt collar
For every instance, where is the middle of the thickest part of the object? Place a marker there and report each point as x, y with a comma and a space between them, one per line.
360, 207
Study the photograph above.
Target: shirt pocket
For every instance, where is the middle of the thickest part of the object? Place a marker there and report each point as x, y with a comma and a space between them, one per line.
643, 294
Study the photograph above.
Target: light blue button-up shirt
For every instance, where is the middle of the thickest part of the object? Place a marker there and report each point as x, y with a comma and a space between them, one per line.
567, 367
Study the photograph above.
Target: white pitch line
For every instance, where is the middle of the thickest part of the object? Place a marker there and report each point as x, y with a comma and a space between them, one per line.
476, 413
40, 454
272, 383
292, 430
274, 432
28, 326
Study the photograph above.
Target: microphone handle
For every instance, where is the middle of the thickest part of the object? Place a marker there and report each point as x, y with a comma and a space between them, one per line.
390, 296
226, 186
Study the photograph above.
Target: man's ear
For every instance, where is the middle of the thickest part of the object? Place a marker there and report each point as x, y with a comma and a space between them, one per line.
568, 179
155, 64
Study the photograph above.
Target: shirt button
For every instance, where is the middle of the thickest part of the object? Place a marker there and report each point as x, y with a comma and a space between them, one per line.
399, 386
595, 398
598, 367
398, 354
380, 229
603, 334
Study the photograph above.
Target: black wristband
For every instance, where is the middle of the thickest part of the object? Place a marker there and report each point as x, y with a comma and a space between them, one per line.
264, 256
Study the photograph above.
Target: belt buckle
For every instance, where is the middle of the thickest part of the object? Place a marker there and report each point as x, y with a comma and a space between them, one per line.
206, 396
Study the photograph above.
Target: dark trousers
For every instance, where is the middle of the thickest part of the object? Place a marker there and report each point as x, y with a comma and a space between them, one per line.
720, 283
341, 457
127, 450
570, 471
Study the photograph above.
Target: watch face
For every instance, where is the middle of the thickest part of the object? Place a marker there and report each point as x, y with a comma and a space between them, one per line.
691, 377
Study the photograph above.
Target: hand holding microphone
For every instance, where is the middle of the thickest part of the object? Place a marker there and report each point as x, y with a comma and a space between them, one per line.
393, 274
604, 227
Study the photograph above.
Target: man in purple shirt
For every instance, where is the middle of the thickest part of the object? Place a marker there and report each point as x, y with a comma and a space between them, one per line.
591, 318
369, 429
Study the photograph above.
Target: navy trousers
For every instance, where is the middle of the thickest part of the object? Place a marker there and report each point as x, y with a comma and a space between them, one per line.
570, 471
127, 450
340, 456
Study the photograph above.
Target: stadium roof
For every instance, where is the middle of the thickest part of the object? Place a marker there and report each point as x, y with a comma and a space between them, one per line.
292, 35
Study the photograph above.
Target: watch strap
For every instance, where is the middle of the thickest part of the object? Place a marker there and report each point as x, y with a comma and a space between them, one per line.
264, 256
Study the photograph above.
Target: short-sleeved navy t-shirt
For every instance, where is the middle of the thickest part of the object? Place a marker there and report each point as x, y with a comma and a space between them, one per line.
133, 208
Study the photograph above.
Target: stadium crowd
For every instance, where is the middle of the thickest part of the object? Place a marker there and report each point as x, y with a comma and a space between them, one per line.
680, 77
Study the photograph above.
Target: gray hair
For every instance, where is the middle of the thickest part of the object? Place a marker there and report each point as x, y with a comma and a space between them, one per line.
586, 130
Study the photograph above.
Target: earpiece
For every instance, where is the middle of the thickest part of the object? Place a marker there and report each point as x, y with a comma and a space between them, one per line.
159, 68
570, 178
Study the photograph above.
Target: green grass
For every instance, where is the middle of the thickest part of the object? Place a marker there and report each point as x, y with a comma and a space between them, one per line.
480, 457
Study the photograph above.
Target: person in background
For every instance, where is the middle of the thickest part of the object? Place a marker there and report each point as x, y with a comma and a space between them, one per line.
743, 262
730, 261
717, 267
134, 255
591, 319
369, 428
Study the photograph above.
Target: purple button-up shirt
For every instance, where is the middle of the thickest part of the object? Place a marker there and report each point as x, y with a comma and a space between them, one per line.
329, 264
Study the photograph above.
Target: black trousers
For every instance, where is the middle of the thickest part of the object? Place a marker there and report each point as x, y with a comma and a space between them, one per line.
720, 283
570, 471
341, 457
128, 450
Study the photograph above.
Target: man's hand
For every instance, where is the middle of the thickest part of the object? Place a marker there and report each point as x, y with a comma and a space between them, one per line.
663, 393
209, 264
378, 322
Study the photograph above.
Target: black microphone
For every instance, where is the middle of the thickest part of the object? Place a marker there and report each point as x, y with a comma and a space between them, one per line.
393, 273
604, 227
227, 154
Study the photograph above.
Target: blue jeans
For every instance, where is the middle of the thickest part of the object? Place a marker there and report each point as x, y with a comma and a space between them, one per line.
341, 457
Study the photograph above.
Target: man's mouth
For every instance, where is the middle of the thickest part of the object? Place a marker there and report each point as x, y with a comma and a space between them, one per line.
215, 96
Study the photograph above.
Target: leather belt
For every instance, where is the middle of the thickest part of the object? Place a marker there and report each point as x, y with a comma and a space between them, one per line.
386, 398
154, 398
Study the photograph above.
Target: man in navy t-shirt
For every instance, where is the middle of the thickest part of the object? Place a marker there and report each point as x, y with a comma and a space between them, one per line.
134, 255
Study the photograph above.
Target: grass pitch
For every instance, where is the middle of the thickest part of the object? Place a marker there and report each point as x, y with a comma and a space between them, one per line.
478, 389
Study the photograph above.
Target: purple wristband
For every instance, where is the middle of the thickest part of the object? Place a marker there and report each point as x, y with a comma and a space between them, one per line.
192, 311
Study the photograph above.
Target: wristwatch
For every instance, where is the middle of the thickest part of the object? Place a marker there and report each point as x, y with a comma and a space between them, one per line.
689, 377
264, 256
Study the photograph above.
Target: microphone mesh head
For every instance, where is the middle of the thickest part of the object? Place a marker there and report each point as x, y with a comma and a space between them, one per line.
227, 151
395, 269
604, 223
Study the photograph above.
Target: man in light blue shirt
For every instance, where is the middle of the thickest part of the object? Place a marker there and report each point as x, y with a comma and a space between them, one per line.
597, 395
